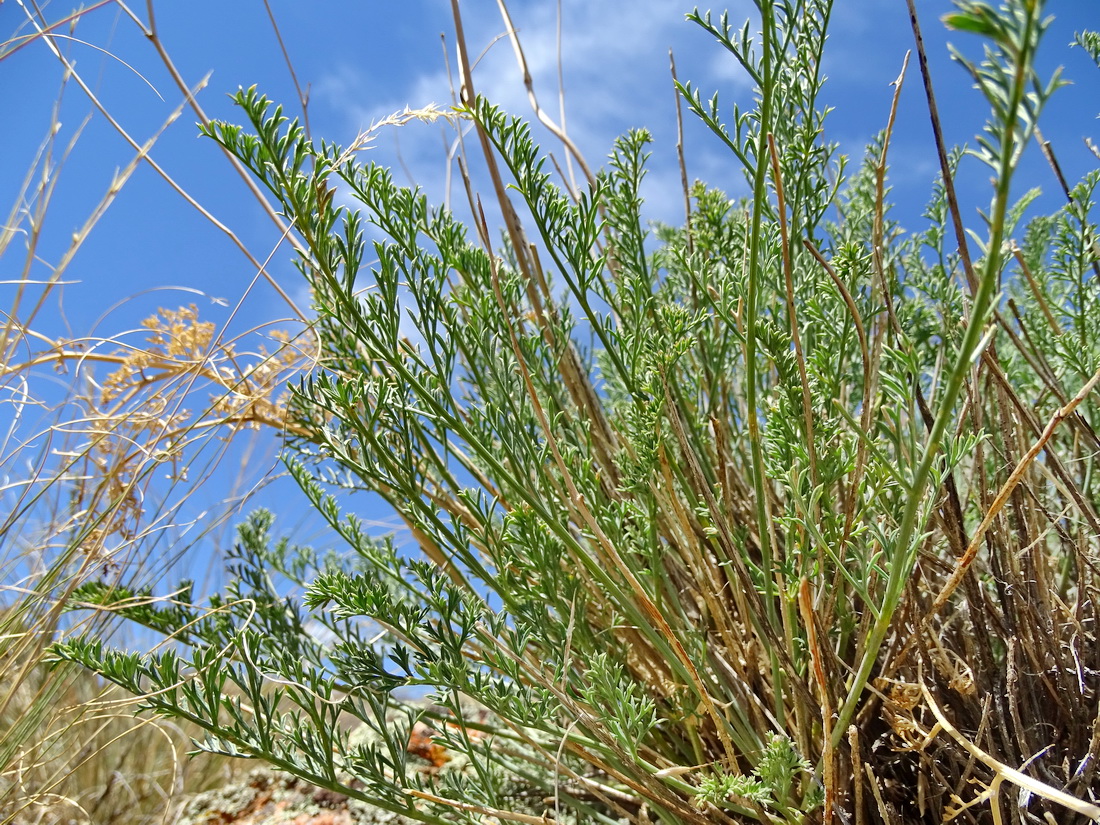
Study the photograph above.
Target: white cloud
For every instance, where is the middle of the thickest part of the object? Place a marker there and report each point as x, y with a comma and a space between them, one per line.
614, 55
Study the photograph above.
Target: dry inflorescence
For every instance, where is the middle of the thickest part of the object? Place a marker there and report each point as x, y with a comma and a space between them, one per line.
143, 417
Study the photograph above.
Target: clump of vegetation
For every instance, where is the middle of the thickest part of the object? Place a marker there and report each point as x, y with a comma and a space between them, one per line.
783, 515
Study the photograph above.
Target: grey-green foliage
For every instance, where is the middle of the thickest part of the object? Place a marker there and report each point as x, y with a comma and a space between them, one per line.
678, 502
1090, 42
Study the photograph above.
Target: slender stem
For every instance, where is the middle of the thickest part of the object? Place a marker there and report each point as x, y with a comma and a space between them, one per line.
903, 555
759, 479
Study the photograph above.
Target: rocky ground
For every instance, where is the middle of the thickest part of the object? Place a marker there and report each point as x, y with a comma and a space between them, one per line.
267, 797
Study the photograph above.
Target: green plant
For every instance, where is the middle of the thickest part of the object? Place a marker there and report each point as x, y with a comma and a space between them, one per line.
776, 545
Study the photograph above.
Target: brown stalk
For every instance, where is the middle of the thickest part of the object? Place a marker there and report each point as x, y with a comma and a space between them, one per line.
577, 381
1031, 353
579, 384
735, 491
533, 294
45, 30
1018, 254
709, 580
878, 227
529, 85
853, 310
1052, 160
963, 564
941, 152
885, 811
828, 757
857, 773
1047, 373
680, 153
151, 33
303, 96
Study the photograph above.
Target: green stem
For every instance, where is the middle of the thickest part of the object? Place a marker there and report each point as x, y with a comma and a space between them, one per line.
903, 556
759, 197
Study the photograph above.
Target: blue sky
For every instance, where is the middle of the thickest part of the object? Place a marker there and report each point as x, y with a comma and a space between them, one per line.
364, 60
